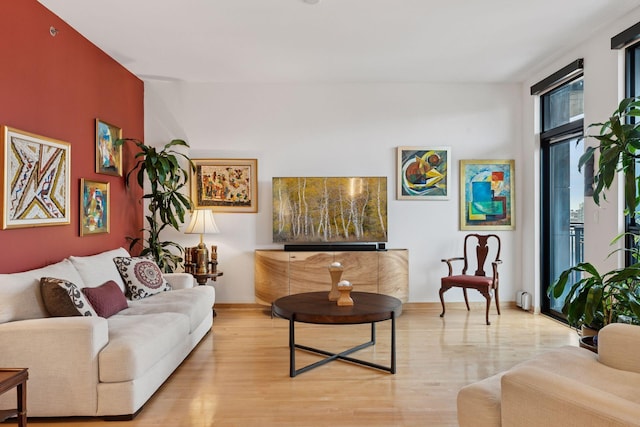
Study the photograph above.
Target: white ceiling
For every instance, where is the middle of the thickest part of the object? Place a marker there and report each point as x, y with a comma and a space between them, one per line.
337, 40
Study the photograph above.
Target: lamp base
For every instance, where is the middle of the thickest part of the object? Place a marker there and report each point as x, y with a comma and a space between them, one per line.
202, 259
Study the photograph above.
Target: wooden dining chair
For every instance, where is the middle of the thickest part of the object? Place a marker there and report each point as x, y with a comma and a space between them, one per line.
487, 252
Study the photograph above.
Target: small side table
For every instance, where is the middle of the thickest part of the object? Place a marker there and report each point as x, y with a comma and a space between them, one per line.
10, 378
202, 279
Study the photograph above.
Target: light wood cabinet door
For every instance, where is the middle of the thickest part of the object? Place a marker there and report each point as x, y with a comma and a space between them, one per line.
360, 268
393, 273
309, 271
271, 276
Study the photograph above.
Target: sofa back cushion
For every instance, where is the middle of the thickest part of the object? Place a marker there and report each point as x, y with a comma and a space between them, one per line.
98, 269
619, 346
20, 296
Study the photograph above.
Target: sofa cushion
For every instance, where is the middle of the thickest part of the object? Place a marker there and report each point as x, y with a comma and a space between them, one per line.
63, 299
479, 403
142, 276
20, 296
99, 268
196, 303
136, 343
106, 299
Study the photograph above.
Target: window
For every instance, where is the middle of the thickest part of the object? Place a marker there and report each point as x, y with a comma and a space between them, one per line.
562, 185
629, 40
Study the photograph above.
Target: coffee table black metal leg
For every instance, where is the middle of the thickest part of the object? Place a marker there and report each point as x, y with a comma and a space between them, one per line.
292, 349
393, 343
373, 332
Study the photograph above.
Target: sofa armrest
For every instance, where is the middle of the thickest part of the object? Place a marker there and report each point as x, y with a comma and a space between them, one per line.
619, 346
61, 354
532, 396
179, 280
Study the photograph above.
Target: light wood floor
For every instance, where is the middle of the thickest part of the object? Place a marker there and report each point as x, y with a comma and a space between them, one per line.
239, 373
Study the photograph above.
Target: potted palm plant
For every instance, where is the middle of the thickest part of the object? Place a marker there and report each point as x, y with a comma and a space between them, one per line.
601, 298
166, 203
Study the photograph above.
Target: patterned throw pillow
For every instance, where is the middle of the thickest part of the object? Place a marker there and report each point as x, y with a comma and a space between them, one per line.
62, 298
141, 276
106, 299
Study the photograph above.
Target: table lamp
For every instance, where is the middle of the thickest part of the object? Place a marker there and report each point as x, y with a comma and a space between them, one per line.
202, 223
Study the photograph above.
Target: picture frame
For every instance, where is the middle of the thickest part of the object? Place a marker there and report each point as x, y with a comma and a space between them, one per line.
225, 185
36, 176
95, 209
108, 157
423, 173
487, 194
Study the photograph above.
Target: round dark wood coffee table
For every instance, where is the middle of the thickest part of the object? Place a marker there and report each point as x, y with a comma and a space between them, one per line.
315, 307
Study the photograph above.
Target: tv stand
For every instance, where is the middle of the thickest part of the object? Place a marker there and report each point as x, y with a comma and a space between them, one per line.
280, 273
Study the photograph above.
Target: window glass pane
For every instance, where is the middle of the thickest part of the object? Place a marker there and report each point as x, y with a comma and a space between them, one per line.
563, 105
633, 89
566, 191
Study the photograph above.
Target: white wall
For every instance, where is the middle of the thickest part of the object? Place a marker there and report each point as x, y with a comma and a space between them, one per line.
344, 130
603, 88
354, 129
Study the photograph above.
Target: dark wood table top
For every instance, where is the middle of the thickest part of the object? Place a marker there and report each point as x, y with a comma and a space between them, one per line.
11, 377
315, 307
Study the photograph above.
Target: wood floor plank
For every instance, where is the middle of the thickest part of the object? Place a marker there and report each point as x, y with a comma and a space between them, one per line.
239, 374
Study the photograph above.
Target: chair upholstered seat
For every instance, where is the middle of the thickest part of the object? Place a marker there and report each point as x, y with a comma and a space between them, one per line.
487, 252
463, 280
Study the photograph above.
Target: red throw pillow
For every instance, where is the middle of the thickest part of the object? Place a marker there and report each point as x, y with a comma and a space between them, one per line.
106, 299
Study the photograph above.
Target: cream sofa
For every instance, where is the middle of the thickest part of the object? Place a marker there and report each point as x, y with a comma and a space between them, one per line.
92, 366
566, 387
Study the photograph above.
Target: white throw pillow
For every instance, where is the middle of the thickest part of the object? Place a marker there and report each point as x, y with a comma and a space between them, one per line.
142, 276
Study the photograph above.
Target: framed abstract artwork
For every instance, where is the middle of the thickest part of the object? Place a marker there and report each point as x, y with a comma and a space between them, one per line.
94, 207
36, 173
423, 173
225, 185
487, 194
108, 156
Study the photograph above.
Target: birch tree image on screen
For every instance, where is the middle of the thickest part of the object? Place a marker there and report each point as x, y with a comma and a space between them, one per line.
330, 209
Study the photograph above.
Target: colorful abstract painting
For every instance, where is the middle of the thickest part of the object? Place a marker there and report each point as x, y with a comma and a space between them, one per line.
423, 173
487, 194
225, 185
35, 180
94, 207
329, 209
108, 156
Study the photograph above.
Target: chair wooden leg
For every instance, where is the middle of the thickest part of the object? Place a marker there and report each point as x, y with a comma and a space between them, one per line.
487, 295
442, 291
466, 300
497, 300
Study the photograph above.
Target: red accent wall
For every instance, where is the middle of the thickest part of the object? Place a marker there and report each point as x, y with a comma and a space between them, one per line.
56, 87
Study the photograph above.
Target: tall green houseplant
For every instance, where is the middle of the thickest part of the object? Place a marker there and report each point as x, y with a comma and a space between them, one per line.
598, 299
166, 204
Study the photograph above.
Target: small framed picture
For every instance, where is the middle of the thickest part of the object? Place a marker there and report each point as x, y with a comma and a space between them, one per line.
225, 185
108, 156
487, 193
423, 173
94, 207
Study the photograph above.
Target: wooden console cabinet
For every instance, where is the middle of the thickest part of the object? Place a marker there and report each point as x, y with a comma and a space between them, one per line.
280, 273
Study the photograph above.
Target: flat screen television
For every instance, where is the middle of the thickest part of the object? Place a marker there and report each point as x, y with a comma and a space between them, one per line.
329, 209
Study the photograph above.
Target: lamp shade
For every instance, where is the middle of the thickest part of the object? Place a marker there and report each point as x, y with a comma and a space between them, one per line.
202, 222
